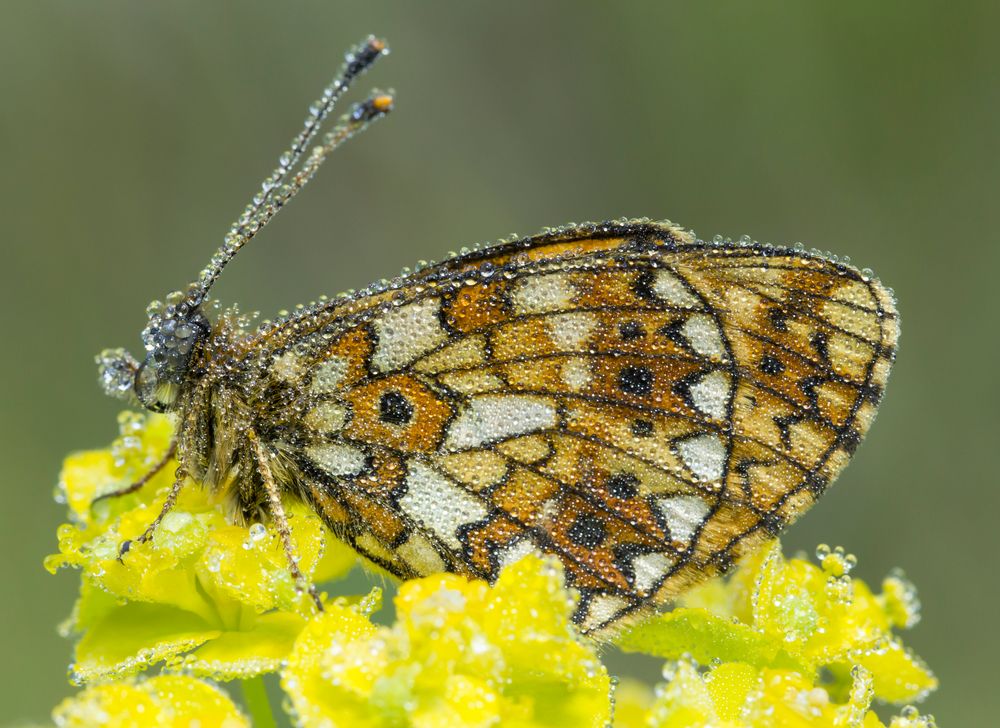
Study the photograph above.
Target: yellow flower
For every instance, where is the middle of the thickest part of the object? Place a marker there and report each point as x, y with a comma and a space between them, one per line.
460, 654
215, 597
164, 701
779, 642
770, 632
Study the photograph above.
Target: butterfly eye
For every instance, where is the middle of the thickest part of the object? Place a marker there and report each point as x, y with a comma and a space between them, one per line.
394, 408
154, 394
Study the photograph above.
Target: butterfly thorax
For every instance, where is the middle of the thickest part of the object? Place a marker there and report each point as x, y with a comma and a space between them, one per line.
221, 402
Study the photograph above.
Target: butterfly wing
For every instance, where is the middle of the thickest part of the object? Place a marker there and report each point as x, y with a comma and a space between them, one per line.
643, 406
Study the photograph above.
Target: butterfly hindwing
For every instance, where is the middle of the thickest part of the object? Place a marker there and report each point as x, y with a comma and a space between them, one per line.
643, 406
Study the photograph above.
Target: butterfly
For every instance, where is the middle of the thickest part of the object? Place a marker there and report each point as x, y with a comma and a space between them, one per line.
642, 405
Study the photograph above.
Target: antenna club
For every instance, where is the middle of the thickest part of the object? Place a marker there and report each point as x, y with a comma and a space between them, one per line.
285, 182
372, 108
383, 103
364, 56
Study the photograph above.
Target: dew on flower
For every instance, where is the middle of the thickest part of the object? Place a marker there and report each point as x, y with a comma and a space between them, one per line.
901, 600
862, 692
840, 588
837, 562
176, 522
909, 717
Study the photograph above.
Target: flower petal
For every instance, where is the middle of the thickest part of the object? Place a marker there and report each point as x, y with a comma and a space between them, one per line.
135, 636
460, 653
240, 655
705, 637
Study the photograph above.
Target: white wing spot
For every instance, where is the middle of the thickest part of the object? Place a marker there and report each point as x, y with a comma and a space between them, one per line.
516, 551
576, 373
704, 455
672, 290
704, 336
549, 511
570, 331
683, 514
326, 417
406, 333
710, 394
421, 556
499, 417
287, 367
649, 569
329, 375
439, 504
541, 294
336, 459
602, 609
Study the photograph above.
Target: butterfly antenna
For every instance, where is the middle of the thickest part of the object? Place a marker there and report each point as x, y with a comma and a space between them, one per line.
289, 177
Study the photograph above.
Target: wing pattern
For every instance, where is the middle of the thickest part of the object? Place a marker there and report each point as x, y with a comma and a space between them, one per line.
644, 406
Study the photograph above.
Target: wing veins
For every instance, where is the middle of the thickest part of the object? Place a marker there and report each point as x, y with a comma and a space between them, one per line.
584, 495
877, 312
490, 506
815, 318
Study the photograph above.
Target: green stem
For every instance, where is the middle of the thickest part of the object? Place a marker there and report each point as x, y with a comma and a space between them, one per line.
257, 704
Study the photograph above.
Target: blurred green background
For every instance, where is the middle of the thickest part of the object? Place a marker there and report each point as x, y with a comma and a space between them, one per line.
133, 133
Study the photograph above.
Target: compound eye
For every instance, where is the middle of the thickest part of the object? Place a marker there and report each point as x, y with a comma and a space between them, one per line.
154, 394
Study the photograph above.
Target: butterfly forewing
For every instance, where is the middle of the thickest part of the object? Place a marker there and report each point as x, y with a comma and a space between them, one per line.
641, 405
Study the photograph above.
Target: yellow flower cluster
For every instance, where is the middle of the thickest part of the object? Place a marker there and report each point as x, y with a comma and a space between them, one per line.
166, 701
213, 598
781, 642
786, 643
460, 654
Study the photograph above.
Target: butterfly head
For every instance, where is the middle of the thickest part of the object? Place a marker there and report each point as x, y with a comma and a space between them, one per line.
174, 331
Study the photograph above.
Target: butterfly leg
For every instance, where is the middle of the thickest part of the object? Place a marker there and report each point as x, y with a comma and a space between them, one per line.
281, 521
132, 488
180, 475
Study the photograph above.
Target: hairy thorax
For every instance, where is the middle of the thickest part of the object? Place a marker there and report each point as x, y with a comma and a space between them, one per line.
229, 400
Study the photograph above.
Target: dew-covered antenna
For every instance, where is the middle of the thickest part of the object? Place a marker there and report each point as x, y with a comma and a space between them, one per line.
175, 328
282, 185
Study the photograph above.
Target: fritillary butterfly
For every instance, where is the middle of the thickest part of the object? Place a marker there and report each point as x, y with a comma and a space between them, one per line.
642, 405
